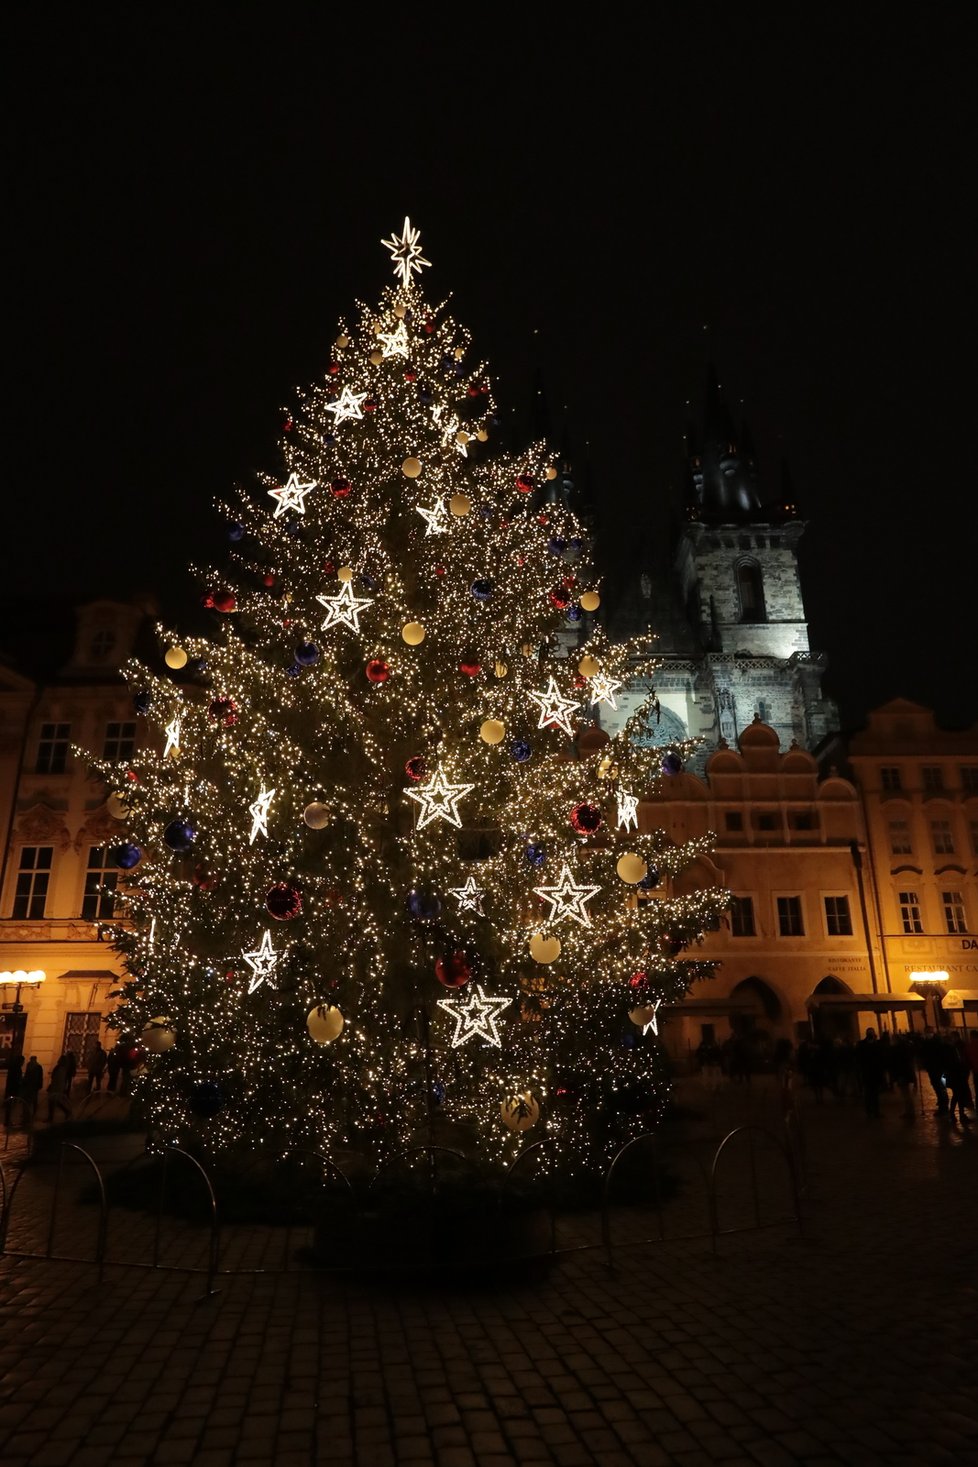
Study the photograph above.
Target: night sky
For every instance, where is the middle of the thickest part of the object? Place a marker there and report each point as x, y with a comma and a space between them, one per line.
196, 194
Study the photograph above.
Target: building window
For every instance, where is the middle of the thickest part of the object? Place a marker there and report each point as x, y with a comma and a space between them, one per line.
101, 879
763, 711
954, 911
838, 922
120, 740
742, 916
102, 644
734, 820
52, 749
910, 912
900, 842
765, 821
750, 589
890, 778
933, 779
803, 820
81, 1036
790, 922
33, 877
941, 837
969, 779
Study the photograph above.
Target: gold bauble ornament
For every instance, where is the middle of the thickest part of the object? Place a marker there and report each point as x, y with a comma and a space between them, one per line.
631, 868
544, 949
325, 1023
400, 312
642, 1016
459, 353
482, 436
461, 436
551, 472
590, 601
342, 341
158, 1036
589, 666
345, 573
376, 357
500, 669
411, 467
175, 657
460, 505
492, 731
317, 815
520, 1112
413, 633
116, 806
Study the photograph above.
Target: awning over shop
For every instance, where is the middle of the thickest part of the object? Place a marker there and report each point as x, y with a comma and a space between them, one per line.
879, 1002
960, 998
711, 1007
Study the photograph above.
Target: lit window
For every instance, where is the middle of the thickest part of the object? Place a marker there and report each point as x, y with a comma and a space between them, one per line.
890, 778
33, 877
940, 834
838, 921
790, 922
954, 911
933, 778
120, 740
910, 912
101, 879
900, 842
52, 748
742, 916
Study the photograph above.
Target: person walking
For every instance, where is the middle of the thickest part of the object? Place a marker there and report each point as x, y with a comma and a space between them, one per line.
113, 1064
870, 1063
31, 1084
71, 1065
956, 1074
902, 1073
932, 1061
96, 1067
59, 1088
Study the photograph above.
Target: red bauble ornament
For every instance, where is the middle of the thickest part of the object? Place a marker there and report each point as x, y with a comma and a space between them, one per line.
542, 519
560, 598
287, 426
333, 368
439, 570
453, 971
428, 326
585, 818
524, 484
470, 667
340, 488
135, 1056
283, 901
377, 670
224, 601
638, 981
131, 774
416, 768
268, 581
371, 405
223, 710
203, 878
473, 390
410, 375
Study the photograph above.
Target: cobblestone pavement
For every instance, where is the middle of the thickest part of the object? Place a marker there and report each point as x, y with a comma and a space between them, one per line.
856, 1344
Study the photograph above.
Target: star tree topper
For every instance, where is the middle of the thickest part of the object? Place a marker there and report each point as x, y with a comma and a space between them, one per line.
406, 252
439, 799
474, 1015
554, 709
567, 898
344, 609
259, 814
469, 897
291, 495
262, 964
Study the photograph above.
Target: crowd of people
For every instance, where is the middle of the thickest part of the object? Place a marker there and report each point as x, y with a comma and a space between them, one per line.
25, 1082
860, 1070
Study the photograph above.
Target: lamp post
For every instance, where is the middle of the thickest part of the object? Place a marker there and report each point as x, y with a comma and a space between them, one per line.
932, 986
18, 980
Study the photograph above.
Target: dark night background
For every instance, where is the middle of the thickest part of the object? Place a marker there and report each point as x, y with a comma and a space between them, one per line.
196, 194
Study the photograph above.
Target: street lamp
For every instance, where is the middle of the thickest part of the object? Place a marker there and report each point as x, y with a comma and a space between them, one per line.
931, 985
20, 979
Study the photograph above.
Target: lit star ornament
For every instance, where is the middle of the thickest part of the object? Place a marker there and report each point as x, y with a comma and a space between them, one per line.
436, 519
627, 810
395, 342
406, 252
348, 405
172, 738
554, 709
568, 899
603, 690
259, 814
474, 1015
344, 609
469, 897
653, 1023
291, 495
439, 799
262, 964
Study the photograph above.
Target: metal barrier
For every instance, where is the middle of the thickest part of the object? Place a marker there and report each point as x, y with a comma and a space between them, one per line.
213, 1250
782, 1150
646, 1139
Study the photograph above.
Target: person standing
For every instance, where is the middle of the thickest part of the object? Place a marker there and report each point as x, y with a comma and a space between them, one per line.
31, 1084
96, 1067
902, 1073
15, 1069
58, 1088
113, 1064
956, 1074
932, 1061
870, 1063
70, 1066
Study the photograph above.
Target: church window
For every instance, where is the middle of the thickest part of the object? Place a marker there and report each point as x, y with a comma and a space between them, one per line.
33, 876
742, 916
763, 711
734, 820
890, 778
52, 748
101, 880
120, 740
910, 912
933, 779
750, 589
900, 842
790, 921
954, 911
941, 837
969, 779
838, 920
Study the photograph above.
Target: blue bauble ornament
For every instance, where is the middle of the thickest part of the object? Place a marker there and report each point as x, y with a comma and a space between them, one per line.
535, 855
650, 880
672, 764
446, 363
143, 702
575, 544
235, 532
206, 1099
520, 750
628, 1039
438, 1093
306, 654
482, 590
556, 545
424, 906
425, 395
486, 511
196, 666
180, 835
573, 613
127, 855
293, 669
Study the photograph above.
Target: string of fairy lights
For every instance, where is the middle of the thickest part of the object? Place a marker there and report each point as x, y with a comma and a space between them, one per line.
378, 886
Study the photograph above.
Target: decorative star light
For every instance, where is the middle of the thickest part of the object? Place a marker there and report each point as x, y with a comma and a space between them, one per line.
436, 519
449, 429
554, 709
172, 738
474, 1015
396, 341
262, 963
344, 609
603, 690
439, 799
291, 495
627, 810
567, 898
469, 897
348, 405
406, 252
653, 1023
259, 814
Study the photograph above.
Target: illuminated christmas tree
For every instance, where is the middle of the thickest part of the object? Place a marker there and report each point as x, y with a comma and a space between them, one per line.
385, 880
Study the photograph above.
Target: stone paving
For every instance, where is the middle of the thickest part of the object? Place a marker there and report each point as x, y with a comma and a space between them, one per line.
855, 1344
